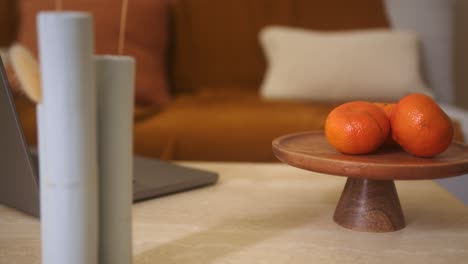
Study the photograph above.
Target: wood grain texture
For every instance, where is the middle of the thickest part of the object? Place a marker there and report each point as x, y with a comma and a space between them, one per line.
370, 206
311, 151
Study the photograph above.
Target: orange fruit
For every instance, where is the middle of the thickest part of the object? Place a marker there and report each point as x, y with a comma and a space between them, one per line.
388, 108
357, 127
420, 126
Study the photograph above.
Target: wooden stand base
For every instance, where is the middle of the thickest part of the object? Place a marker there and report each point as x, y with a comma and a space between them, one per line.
369, 201
369, 206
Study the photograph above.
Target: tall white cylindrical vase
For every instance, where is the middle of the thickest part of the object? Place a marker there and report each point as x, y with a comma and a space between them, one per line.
115, 85
67, 139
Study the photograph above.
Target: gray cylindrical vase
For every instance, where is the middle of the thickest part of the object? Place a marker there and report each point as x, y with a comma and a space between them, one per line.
115, 77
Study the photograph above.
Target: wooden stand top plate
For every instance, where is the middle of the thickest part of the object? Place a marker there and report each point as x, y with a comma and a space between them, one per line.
311, 151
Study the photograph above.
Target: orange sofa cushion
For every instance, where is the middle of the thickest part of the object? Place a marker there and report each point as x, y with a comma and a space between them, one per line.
224, 127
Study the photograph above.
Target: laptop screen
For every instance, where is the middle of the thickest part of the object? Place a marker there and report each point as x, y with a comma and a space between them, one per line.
18, 179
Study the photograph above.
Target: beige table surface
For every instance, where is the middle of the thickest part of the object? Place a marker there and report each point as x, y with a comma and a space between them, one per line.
271, 213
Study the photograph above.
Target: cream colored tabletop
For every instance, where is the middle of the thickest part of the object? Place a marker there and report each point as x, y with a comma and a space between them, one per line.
271, 213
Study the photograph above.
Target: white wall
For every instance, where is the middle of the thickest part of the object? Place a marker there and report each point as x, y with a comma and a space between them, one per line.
461, 53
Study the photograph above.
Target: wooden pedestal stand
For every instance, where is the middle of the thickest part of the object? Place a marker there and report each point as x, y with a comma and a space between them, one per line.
369, 201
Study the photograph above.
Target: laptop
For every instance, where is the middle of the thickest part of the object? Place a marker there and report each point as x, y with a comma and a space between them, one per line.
19, 179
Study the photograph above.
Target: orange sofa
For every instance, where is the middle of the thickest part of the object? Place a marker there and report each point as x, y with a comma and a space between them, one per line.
214, 67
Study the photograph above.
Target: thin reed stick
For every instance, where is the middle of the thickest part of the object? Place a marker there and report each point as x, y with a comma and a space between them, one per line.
123, 23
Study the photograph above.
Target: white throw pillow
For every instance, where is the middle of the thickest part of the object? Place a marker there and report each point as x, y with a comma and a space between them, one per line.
378, 65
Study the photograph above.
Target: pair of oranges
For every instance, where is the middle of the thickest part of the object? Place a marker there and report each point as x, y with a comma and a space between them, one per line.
416, 123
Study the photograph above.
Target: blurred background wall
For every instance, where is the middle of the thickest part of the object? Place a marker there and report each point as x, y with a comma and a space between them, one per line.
461, 53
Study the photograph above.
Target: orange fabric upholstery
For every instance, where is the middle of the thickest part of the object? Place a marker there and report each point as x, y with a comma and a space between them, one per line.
146, 37
224, 127
8, 18
215, 42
